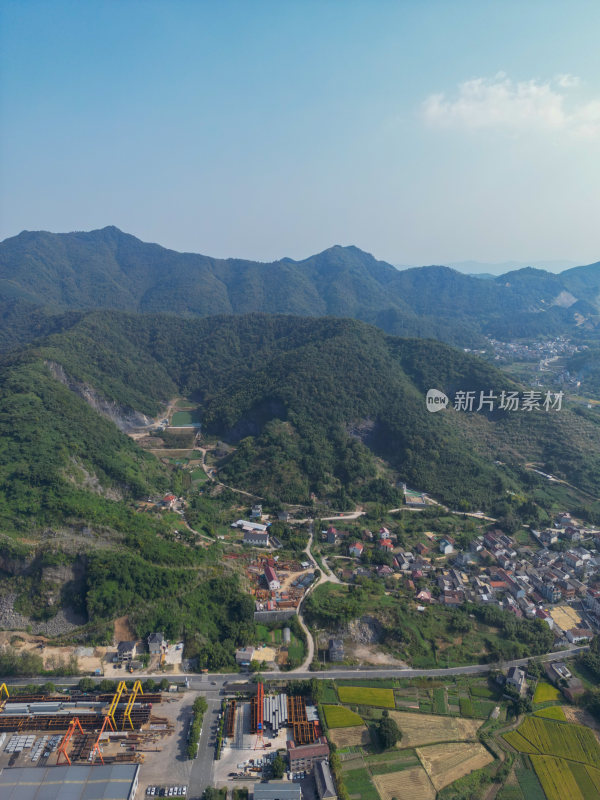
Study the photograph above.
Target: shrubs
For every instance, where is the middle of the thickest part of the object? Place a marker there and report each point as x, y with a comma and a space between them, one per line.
199, 708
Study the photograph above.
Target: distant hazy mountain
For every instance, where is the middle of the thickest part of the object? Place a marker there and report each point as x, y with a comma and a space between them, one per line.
499, 267
111, 269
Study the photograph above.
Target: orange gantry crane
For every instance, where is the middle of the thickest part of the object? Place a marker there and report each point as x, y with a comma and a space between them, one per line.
96, 748
62, 747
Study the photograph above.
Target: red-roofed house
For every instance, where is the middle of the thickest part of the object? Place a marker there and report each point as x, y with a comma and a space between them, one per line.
169, 500
386, 544
356, 549
272, 579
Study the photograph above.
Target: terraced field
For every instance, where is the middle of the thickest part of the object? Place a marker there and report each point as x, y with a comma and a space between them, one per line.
350, 737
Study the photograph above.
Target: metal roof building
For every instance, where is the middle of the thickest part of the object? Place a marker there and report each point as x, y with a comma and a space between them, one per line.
277, 790
111, 782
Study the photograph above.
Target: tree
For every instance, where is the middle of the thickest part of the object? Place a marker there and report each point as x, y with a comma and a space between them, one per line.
278, 767
388, 732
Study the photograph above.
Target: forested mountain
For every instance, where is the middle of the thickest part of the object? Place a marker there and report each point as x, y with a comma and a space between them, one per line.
311, 405
110, 269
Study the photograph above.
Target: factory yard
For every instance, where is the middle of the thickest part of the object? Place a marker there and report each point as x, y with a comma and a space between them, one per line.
127, 728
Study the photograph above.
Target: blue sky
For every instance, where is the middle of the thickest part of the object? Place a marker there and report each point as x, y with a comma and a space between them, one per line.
423, 132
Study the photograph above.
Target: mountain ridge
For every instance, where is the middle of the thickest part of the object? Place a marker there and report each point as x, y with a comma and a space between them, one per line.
108, 268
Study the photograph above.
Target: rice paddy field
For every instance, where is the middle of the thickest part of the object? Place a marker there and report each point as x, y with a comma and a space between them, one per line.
544, 692
552, 712
566, 757
366, 696
340, 717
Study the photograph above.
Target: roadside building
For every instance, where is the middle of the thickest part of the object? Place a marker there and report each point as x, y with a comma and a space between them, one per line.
336, 650
305, 756
324, 781
156, 643
76, 782
126, 651
515, 678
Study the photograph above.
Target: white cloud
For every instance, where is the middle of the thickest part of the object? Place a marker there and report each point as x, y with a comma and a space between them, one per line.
516, 106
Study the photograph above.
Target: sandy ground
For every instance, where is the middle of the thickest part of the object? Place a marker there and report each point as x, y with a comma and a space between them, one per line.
369, 654
123, 631
53, 656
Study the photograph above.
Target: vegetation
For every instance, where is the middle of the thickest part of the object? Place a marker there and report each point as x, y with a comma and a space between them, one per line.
199, 709
364, 696
388, 732
340, 717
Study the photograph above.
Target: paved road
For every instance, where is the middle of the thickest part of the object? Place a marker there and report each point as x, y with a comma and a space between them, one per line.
202, 768
212, 684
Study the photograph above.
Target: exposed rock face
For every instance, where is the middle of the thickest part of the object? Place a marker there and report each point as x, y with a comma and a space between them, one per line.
64, 621
125, 418
366, 630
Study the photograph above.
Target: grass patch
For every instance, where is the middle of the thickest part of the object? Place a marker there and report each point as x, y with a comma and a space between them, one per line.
359, 783
340, 717
439, 701
530, 786
366, 696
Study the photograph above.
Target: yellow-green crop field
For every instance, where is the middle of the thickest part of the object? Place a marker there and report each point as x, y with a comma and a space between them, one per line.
545, 692
562, 779
340, 717
564, 756
366, 696
552, 712
547, 737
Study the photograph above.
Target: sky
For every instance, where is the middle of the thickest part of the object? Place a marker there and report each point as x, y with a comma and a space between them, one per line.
422, 132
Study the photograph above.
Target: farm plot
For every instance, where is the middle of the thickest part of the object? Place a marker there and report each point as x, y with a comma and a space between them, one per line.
545, 692
410, 784
340, 717
446, 763
540, 736
552, 712
350, 737
558, 782
359, 785
366, 696
419, 729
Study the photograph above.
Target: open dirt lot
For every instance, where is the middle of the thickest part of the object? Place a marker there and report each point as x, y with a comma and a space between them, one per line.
53, 657
446, 763
410, 784
419, 729
350, 737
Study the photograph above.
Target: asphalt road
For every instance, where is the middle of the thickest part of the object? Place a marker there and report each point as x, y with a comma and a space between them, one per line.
202, 768
212, 684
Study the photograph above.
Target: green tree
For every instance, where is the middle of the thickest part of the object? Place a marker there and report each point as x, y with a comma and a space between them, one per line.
278, 766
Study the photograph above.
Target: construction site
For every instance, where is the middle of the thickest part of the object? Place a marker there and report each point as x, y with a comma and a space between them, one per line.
77, 728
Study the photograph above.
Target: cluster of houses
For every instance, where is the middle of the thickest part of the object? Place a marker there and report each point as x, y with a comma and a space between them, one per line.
495, 570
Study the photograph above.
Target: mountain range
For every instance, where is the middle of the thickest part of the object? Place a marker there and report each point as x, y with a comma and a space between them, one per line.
43, 274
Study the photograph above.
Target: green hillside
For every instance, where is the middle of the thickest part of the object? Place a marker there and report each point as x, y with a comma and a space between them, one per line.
324, 406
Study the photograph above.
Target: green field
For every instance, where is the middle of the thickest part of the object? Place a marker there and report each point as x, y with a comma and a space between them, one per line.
181, 418
340, 717
545, 692
530, 785
366, 696
466, 707
359, 784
